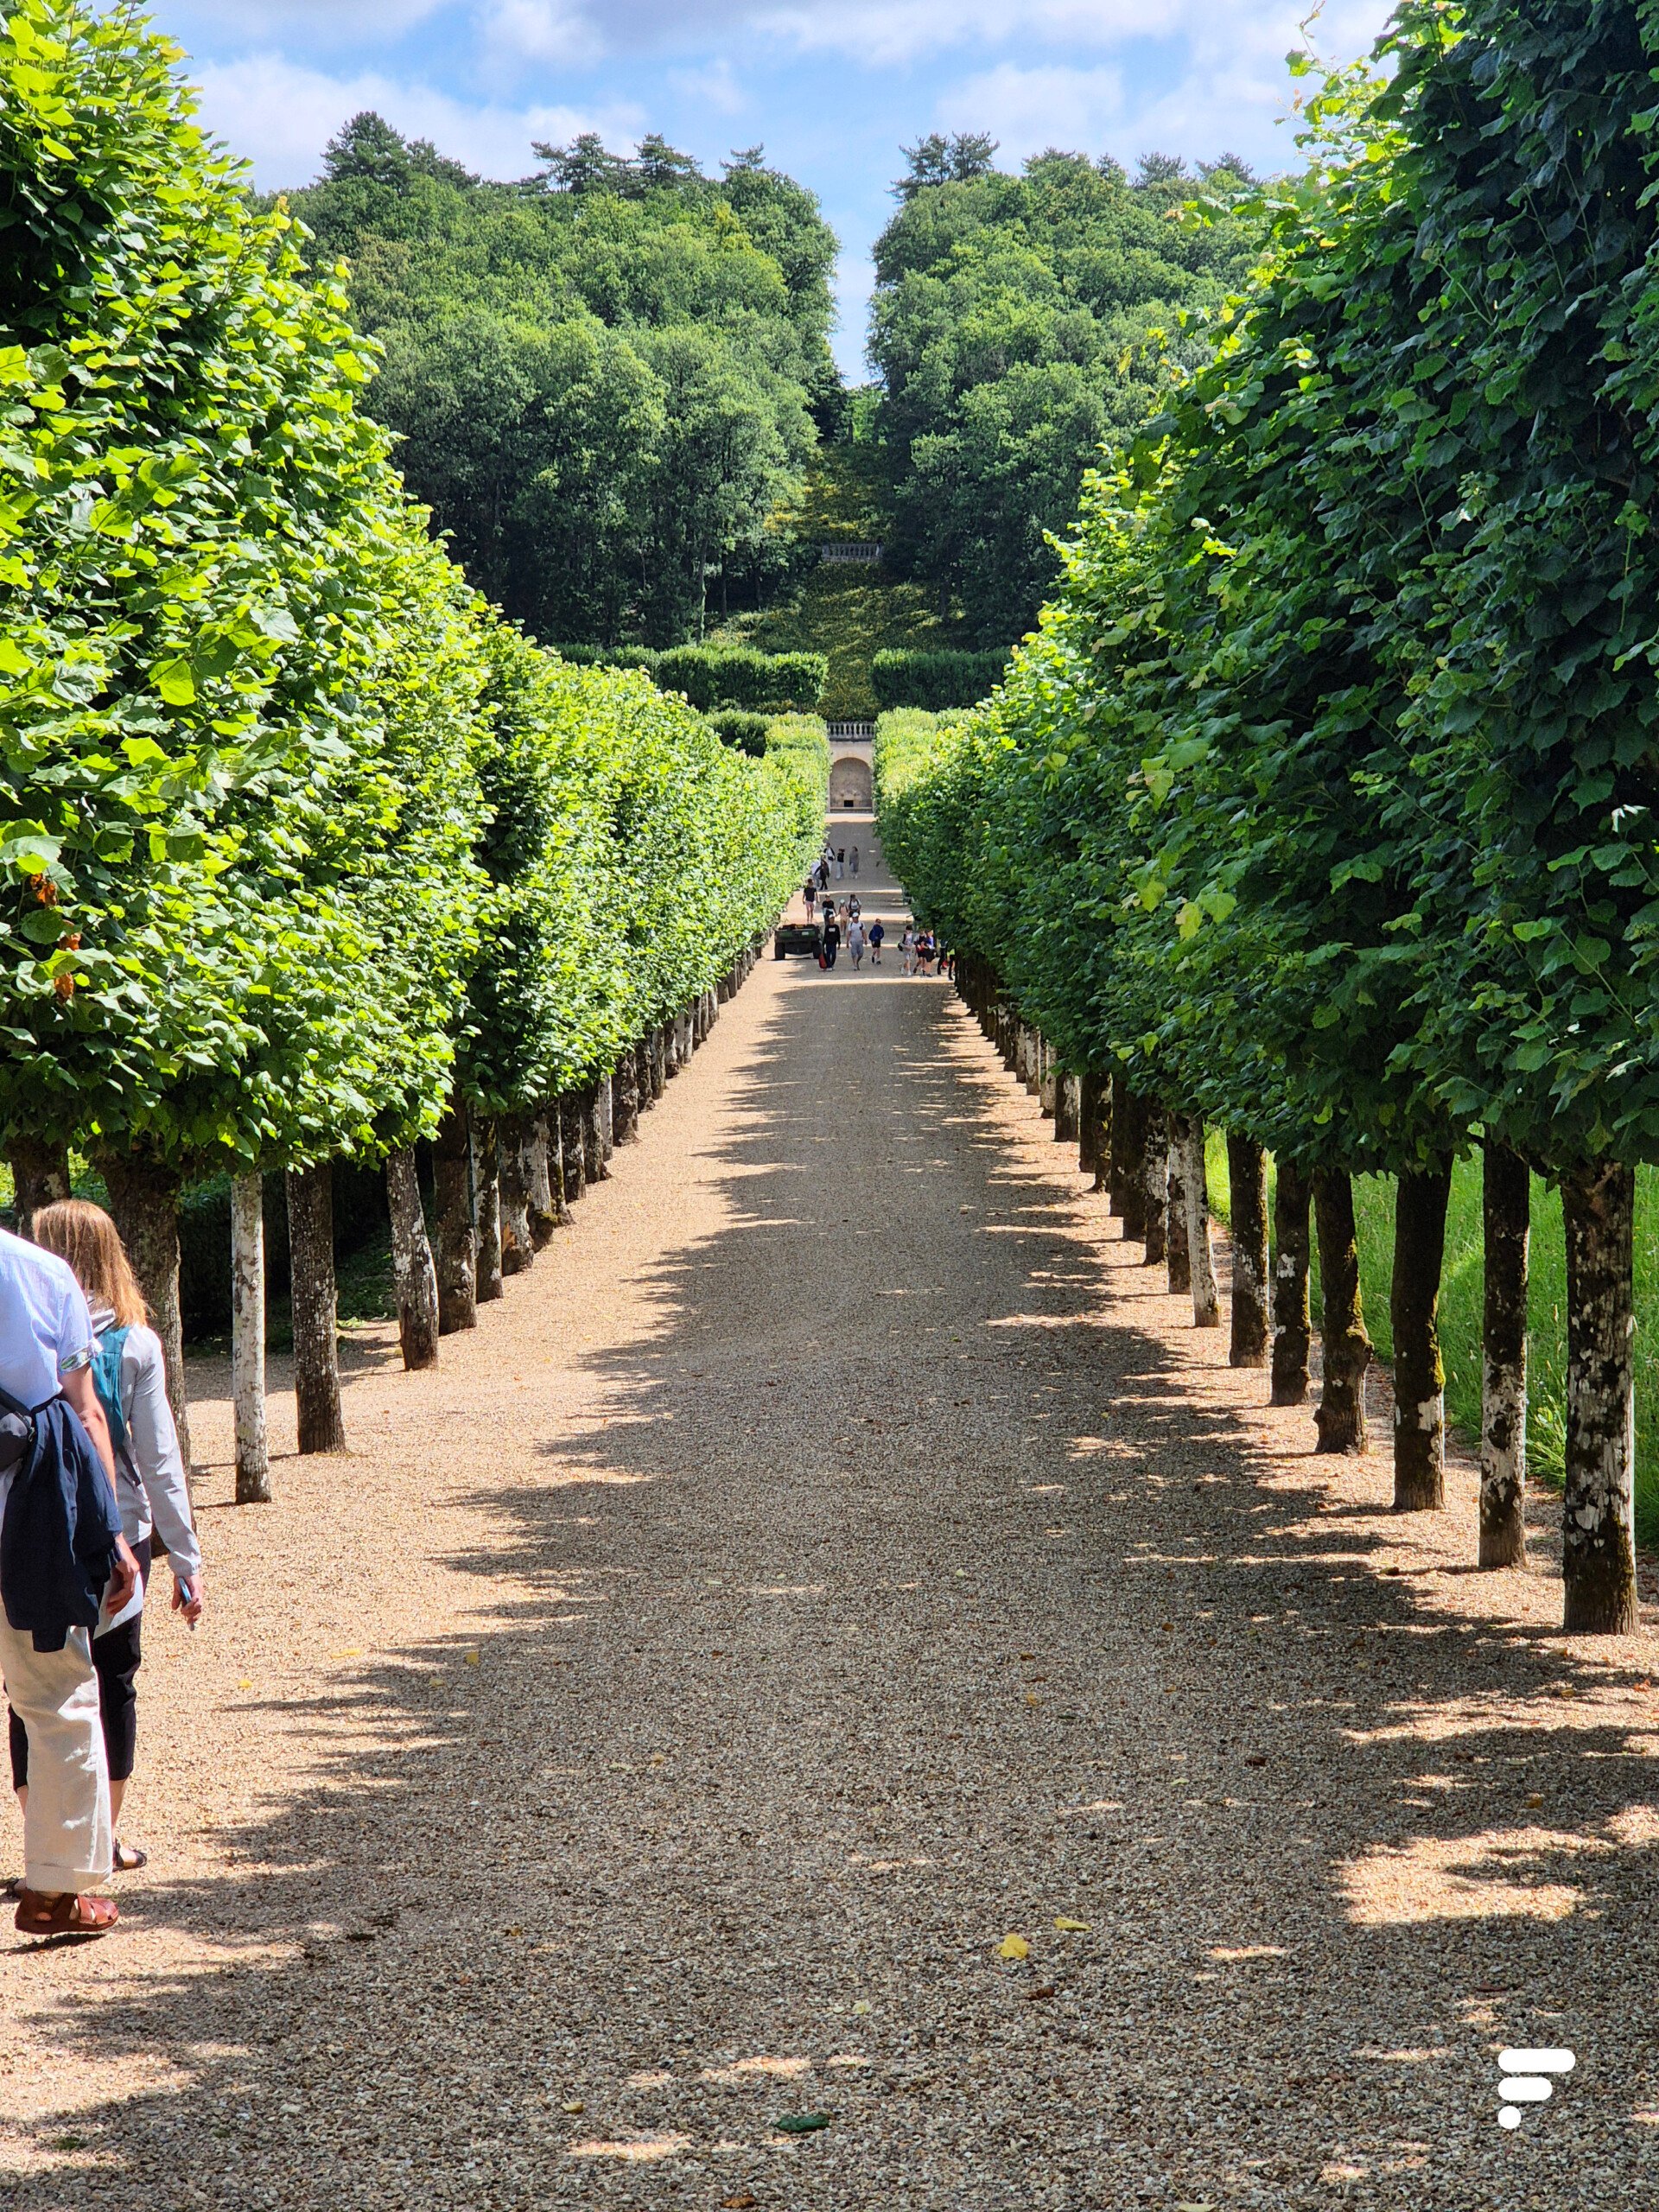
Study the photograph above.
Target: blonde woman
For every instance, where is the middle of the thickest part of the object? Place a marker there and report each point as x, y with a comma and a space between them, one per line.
130, 1379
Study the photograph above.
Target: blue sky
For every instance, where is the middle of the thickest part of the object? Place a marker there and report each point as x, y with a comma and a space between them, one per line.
831, 87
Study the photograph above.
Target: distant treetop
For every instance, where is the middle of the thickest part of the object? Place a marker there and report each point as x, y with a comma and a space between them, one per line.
369, 148
940, 160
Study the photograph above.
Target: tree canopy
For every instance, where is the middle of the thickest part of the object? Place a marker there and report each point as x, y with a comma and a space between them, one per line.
1019, 323
603, 378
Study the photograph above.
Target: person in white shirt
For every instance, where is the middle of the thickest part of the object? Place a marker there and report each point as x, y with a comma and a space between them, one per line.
130, 1372
46, 1350
855, 942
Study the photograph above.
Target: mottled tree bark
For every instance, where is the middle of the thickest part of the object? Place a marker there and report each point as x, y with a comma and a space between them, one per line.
248, 1339
1419, 1205
658, 1057
1048, 1080
316, 1307
625, 1098
1206, 1298
144, 1205
40, 1176
1088, 1087
1154, 1187
487, 1206
1102, 1147
452, 1175
1598, 1511
1292, 1326
593, 1132
518, 1245
1346, 1349
1129, 1158
1177, 1254
570, 1147
543, 1198
1506, 1210
1246, 1176
415, 1277
1068, 1108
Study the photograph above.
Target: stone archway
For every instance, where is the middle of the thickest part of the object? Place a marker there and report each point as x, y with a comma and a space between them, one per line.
852, 790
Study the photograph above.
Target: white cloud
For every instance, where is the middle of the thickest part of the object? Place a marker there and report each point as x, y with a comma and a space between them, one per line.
279, 115
543, 30
714, 87
1025, 109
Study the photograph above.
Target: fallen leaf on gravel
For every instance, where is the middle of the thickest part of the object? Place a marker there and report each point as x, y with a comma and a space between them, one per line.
1043, 1989
472, 1658
1013, 1947
862, 2005
245, 1686
574, 2107
1535, 1800
1256, 1758
1074, 1927
1032, 1698
351, 1652
738, 2203
803, 2123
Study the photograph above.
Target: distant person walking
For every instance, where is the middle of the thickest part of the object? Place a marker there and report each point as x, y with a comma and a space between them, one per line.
855, 942
878, 936
841, 862
810, 893
831, 936
907, 949
855, 859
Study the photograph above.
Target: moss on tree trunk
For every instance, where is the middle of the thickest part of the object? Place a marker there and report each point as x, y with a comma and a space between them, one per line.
1178, 1256
1128, 1159
1598, 1510
1345, 1346
40, 1177
1421, 1197
1506, 1221
1293, 1327
518, 1246
316, 1307
570, 1147
1206, 1298
1247, 1176
451, 1174
1154, 1187
414, 1274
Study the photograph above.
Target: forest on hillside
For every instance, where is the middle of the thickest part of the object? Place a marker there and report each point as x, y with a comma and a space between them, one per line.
606, 378
613, 382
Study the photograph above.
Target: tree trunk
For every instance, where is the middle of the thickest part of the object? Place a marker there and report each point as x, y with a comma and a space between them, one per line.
1292, 1322
316, 1313
518, 1246
1129, 1158
570, 1147
248, 1339
1177, 1258
592, 1132
1050, 1081
1419, 1205
414, 1277
658, 1062
1089, 1090
40, 1175
1598, 1511
1506, 1210
1030, 1061
1154, 1187
1341, 1419
1068, 1108
487, 1186
1247, 1176
452, 1172
543, 1198
1206, 1299
1101, 1144
144, 1204
625, 1098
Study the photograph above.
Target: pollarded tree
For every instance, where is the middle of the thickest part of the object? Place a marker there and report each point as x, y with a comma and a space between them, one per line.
205, 585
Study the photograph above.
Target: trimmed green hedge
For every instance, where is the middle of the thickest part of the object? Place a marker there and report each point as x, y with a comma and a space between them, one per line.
747, 733
934, 680
712, 678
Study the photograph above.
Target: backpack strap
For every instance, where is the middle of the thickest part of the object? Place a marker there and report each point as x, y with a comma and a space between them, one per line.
107, 1381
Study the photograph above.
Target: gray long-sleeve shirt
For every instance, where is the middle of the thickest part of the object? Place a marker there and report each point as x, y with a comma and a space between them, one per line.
152, 1486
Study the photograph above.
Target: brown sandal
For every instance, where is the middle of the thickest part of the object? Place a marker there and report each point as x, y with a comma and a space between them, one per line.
38, 1914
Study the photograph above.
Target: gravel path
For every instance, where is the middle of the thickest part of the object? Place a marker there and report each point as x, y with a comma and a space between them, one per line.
835, 1558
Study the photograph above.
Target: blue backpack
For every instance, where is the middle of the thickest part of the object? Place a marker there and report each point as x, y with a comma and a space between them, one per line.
107, 1381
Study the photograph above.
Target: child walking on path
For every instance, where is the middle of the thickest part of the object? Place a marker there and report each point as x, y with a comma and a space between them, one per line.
129, 1377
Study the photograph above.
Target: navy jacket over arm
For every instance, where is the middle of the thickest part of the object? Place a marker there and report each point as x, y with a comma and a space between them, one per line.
57, 1543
